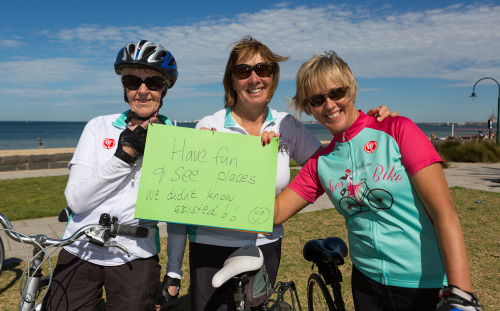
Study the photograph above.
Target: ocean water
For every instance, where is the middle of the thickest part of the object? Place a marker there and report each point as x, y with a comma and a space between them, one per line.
24, 135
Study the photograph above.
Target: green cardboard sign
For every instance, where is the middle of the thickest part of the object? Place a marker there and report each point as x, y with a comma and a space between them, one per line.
207, 178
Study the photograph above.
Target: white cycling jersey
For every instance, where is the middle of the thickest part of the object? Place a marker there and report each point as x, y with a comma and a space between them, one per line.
99, 183
296, 143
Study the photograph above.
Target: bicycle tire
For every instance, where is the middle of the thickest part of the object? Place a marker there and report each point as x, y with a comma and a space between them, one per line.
348, 205
380, 199
282, 306
2, 256
318, 296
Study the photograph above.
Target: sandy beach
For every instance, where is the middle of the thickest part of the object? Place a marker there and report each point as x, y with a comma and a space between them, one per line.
25, 152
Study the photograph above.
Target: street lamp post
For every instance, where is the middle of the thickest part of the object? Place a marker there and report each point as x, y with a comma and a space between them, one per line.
473, 96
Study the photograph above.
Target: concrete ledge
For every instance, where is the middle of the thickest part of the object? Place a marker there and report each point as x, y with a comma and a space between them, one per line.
35, 159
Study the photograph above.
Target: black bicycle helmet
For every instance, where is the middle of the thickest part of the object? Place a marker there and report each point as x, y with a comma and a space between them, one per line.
149, 55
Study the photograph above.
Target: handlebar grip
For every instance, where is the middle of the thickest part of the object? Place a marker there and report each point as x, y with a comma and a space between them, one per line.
132, 231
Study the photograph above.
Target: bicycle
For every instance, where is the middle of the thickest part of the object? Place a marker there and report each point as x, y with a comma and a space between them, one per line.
34, 285
2, 256
379, 199
327, 254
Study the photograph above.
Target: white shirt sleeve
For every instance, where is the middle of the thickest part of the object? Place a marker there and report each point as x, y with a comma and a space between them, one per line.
207, 122
88, 186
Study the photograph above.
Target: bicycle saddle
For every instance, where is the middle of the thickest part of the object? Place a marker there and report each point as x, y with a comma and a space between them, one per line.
244, 259
332, 249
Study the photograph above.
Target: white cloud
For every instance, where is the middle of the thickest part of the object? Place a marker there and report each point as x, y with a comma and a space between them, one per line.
444, 43
458, 43
7, 44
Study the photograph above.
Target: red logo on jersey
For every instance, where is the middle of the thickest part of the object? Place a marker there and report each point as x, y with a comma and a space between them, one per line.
108, 143
370, 146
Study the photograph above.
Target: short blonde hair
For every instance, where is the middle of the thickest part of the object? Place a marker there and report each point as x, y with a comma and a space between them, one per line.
245, 49
320, 70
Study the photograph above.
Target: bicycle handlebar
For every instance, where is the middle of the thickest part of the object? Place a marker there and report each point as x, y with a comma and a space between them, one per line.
96, 234
131, 231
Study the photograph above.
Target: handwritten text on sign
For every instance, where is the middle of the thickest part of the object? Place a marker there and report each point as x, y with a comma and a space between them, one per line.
208, 178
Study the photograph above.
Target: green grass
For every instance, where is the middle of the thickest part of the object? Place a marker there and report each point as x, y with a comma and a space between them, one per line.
29, 198
43, 197
479, 220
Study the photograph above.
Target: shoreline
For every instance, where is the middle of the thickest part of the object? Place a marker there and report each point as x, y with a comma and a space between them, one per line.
26, 152
52, 151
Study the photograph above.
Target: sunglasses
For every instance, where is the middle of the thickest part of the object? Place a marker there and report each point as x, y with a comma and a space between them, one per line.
243, 71
334, 94
153, 83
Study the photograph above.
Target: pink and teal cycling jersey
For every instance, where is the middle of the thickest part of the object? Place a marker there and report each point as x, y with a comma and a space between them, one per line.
366, 172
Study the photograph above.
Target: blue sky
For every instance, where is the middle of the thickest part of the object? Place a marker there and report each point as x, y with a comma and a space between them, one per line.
421, 58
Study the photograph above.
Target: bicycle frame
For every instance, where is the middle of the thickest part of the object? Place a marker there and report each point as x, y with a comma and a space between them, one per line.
327, 254
280, 290
332, 276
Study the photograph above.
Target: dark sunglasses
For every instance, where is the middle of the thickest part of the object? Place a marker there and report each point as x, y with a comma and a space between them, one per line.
334, 94
243, 71
153, 83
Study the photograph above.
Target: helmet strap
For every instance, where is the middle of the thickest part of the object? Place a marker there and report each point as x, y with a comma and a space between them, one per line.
132, 115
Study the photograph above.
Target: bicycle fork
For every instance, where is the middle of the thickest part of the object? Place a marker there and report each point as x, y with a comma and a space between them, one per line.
32, 285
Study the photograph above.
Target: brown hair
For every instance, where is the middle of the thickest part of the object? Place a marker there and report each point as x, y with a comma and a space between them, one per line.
245, 49
319, 71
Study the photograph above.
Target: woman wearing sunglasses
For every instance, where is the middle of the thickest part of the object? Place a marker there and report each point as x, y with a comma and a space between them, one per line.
103, 178
250, 80
405, 238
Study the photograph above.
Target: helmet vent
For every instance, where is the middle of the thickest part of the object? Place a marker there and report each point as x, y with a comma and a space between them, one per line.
149, 50
148, 55
172, 61
131, 49
161, 55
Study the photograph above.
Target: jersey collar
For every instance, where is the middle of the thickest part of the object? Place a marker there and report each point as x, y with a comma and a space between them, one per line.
353, 130
230, 122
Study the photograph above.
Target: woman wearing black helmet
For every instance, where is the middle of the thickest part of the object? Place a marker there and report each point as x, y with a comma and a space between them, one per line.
103, 178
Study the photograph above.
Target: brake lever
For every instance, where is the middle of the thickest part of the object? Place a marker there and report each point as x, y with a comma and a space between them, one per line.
117, 245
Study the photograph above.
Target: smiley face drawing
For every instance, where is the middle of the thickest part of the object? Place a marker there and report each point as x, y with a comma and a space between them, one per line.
258, 215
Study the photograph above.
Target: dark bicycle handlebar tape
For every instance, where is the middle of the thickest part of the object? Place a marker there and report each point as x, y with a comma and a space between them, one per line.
132, 231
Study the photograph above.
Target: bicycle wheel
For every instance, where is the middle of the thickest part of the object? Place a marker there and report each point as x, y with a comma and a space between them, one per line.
380, 199
349, 205
282, 306
318, 296
2, 256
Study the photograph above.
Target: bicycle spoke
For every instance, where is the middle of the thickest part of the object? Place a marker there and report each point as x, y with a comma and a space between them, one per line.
380, 199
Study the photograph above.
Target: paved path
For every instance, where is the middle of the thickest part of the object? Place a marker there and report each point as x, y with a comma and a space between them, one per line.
479, 176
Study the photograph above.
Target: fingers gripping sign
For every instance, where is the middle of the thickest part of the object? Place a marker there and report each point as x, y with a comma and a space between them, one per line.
267, 136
